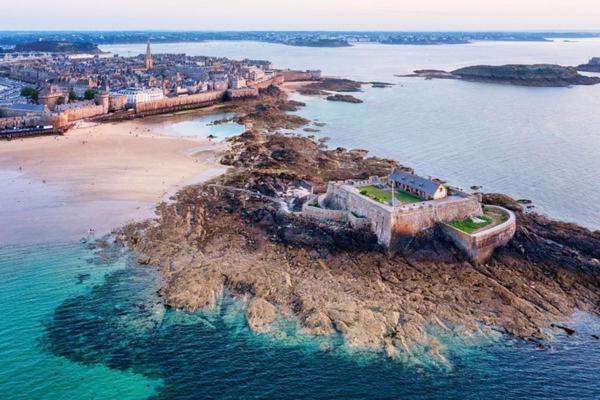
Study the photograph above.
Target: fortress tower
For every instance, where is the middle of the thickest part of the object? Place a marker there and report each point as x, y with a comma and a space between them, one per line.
103, 96
149, 59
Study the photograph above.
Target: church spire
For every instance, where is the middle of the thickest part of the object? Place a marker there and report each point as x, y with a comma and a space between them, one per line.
149, 59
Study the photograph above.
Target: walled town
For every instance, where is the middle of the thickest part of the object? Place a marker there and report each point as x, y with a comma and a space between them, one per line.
51, 92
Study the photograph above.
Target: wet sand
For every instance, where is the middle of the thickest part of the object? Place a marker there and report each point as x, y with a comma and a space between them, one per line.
290, 87
97, 177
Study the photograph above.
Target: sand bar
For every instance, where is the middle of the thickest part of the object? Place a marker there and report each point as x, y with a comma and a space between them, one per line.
98, 177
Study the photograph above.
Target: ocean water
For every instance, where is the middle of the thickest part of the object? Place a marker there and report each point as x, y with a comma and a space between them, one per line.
541, 144
34, 281
77, 327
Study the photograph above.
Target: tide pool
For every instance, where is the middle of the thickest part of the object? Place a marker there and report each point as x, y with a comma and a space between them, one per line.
197, 125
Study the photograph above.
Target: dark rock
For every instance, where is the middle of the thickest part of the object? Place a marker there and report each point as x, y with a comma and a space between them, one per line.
567, 330
524, 201
346, 98
502, 200
82, 278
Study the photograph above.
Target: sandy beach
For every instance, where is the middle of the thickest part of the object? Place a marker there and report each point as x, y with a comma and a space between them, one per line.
293, 86
97, 177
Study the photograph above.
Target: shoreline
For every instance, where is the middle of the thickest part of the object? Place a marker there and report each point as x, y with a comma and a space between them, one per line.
98, 177
208, 241
235, 237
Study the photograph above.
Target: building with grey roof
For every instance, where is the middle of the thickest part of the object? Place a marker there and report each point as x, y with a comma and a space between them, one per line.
426, 189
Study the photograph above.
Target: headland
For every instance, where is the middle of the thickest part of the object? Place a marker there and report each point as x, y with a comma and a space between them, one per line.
381, 275
245, 234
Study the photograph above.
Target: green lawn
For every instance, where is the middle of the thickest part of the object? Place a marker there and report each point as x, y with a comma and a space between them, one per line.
468, 226
385, 196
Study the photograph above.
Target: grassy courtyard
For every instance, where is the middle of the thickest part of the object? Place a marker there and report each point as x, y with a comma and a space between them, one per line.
490, 218
385, 196
470, 225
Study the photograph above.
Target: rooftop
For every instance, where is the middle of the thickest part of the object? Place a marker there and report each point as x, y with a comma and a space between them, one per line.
425, 185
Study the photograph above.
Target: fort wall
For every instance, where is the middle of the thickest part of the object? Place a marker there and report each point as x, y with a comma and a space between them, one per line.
388, 222
337, 216
413, 218
480, 246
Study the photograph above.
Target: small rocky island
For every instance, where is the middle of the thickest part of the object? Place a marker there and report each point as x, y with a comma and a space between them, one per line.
346, 98
244, 235
537, 75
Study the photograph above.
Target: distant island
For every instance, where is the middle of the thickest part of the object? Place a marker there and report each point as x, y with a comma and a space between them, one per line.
537, 75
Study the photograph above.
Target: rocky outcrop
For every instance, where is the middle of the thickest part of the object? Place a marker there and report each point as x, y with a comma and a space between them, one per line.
526, 75
260, 313
326, 85
346, 98
233, 236
539, 75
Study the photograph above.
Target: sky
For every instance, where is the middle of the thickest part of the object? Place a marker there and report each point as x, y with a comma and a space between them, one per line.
300, 15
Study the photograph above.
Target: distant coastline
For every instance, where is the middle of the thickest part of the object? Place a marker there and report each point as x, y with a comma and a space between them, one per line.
291, 38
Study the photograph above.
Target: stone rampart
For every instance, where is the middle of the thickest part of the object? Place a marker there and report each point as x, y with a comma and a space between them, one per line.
338, 216
404, 220
21, 122
291, 75
345, 197
171, 104
276, 80
242, 93
413, 218
83, 112
480, 246
323, 214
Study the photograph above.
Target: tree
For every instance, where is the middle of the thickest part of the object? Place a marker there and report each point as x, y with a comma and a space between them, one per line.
90, 94
31, 93
73, 95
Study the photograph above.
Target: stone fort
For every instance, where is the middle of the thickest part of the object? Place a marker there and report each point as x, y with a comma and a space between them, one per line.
439, 206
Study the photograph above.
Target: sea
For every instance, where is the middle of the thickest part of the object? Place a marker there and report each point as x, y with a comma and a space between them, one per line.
81, 325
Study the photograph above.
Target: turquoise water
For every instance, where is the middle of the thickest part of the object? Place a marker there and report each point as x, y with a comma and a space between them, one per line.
34, 280
69, 335
541, 144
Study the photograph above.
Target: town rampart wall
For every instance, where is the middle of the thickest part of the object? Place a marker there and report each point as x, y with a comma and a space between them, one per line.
178, 103
291, 76
276, 80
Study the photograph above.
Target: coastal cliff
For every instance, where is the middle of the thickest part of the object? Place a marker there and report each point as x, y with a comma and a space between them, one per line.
537, 75
238, 235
